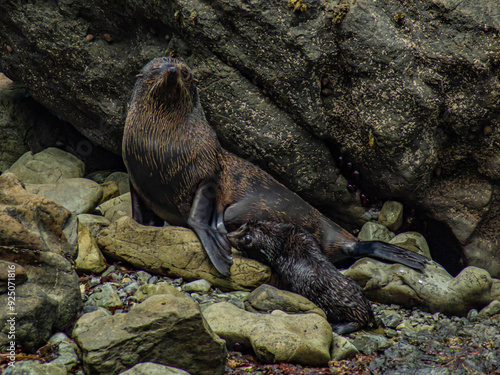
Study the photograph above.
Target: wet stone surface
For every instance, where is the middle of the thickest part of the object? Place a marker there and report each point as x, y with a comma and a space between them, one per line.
405, 341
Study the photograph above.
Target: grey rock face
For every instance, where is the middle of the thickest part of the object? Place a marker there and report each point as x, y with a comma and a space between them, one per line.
407, 91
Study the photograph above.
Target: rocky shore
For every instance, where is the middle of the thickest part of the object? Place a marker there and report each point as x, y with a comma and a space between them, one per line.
124, 298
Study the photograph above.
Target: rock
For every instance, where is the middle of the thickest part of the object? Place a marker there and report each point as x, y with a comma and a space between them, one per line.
12, 132
46, 301
432, 289
197, 286
33, 222
105, 296
375, 232
36, 368
90, 258
66, 350
146, 291
157, 330
342, 348
371, 344
78, 195
116, 208
411, 115
175, 251
95, 223
47, 167
143, 277
390, 318
391, 215
495, 289
276, 337
121, 179
150, 368
267, 298
464, 203
110, 190
412, 241
492, 309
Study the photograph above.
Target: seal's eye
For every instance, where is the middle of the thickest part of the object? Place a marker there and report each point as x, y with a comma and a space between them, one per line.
247, 240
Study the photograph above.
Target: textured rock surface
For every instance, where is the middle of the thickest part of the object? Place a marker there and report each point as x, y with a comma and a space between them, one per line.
150, 368
33, 222
12, 132
412, 241
267, 298
116, 208
175, 251
47, 167
158, 330
391, 215
77, 195
90, 258
36, 368
276, 337
371, 231
47, 296
408, 91
432, 289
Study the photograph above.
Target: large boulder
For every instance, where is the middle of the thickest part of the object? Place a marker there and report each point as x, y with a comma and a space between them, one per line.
275, 337
432, 289
34, 222
164, 329
47, 296
406, 92
176, 252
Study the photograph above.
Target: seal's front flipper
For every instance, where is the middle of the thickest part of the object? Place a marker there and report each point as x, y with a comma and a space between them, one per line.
207, 221
141, 212
389, 252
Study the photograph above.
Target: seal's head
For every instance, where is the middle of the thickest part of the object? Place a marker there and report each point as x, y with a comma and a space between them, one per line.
259, 240
166, 83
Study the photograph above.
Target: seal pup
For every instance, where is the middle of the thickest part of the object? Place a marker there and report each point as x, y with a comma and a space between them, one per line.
301, 267
179, 173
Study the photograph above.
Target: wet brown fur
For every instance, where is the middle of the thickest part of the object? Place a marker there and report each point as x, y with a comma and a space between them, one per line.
162, 141
301, 267
170, 149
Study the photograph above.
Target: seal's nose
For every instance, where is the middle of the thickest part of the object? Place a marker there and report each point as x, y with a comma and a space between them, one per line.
172, 70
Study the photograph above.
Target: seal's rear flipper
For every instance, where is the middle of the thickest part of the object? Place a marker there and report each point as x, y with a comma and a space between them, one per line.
207, 222
141, 212
389, 252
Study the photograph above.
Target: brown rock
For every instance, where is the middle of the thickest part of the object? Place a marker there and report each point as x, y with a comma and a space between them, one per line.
31, 221
176, 252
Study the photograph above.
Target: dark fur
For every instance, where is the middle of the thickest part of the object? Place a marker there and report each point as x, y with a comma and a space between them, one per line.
170, 150
301, 267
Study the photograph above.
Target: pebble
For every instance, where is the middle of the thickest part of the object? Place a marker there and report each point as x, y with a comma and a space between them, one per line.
370, 344
67, 350
197, 286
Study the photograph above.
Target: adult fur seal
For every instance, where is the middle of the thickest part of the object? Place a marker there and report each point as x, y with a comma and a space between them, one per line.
179, 173
301, 267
